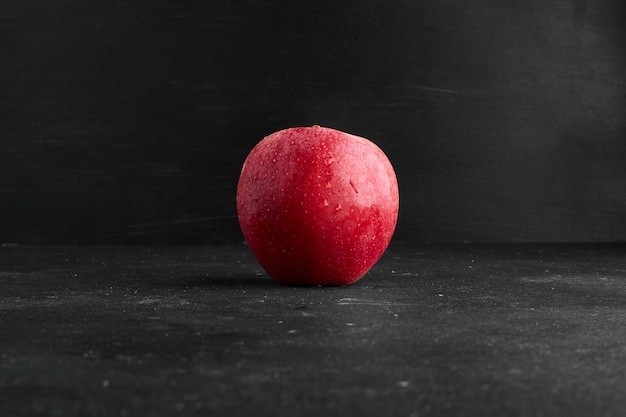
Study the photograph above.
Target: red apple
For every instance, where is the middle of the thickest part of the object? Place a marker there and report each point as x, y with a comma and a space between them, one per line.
317, 206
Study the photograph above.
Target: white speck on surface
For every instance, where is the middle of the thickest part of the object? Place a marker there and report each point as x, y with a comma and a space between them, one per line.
148, 301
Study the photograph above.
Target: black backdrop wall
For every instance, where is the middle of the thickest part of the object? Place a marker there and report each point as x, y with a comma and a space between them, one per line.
128, 121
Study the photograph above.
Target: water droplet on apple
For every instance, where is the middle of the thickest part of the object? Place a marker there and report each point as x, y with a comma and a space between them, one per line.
329, 162
325, 202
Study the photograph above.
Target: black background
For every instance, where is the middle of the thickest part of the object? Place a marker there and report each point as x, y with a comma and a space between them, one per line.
128, 122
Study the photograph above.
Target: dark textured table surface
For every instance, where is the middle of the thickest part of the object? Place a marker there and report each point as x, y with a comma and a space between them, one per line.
430, 331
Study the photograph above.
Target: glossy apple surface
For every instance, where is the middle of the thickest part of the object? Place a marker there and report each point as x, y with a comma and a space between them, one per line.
317, 206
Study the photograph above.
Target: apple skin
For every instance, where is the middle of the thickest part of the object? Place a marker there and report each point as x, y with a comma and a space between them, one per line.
317, 206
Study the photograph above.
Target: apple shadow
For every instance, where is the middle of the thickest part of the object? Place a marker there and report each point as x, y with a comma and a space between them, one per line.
223, 281
239, 281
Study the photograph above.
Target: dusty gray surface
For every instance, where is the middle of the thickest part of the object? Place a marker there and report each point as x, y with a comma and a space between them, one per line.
430, 331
